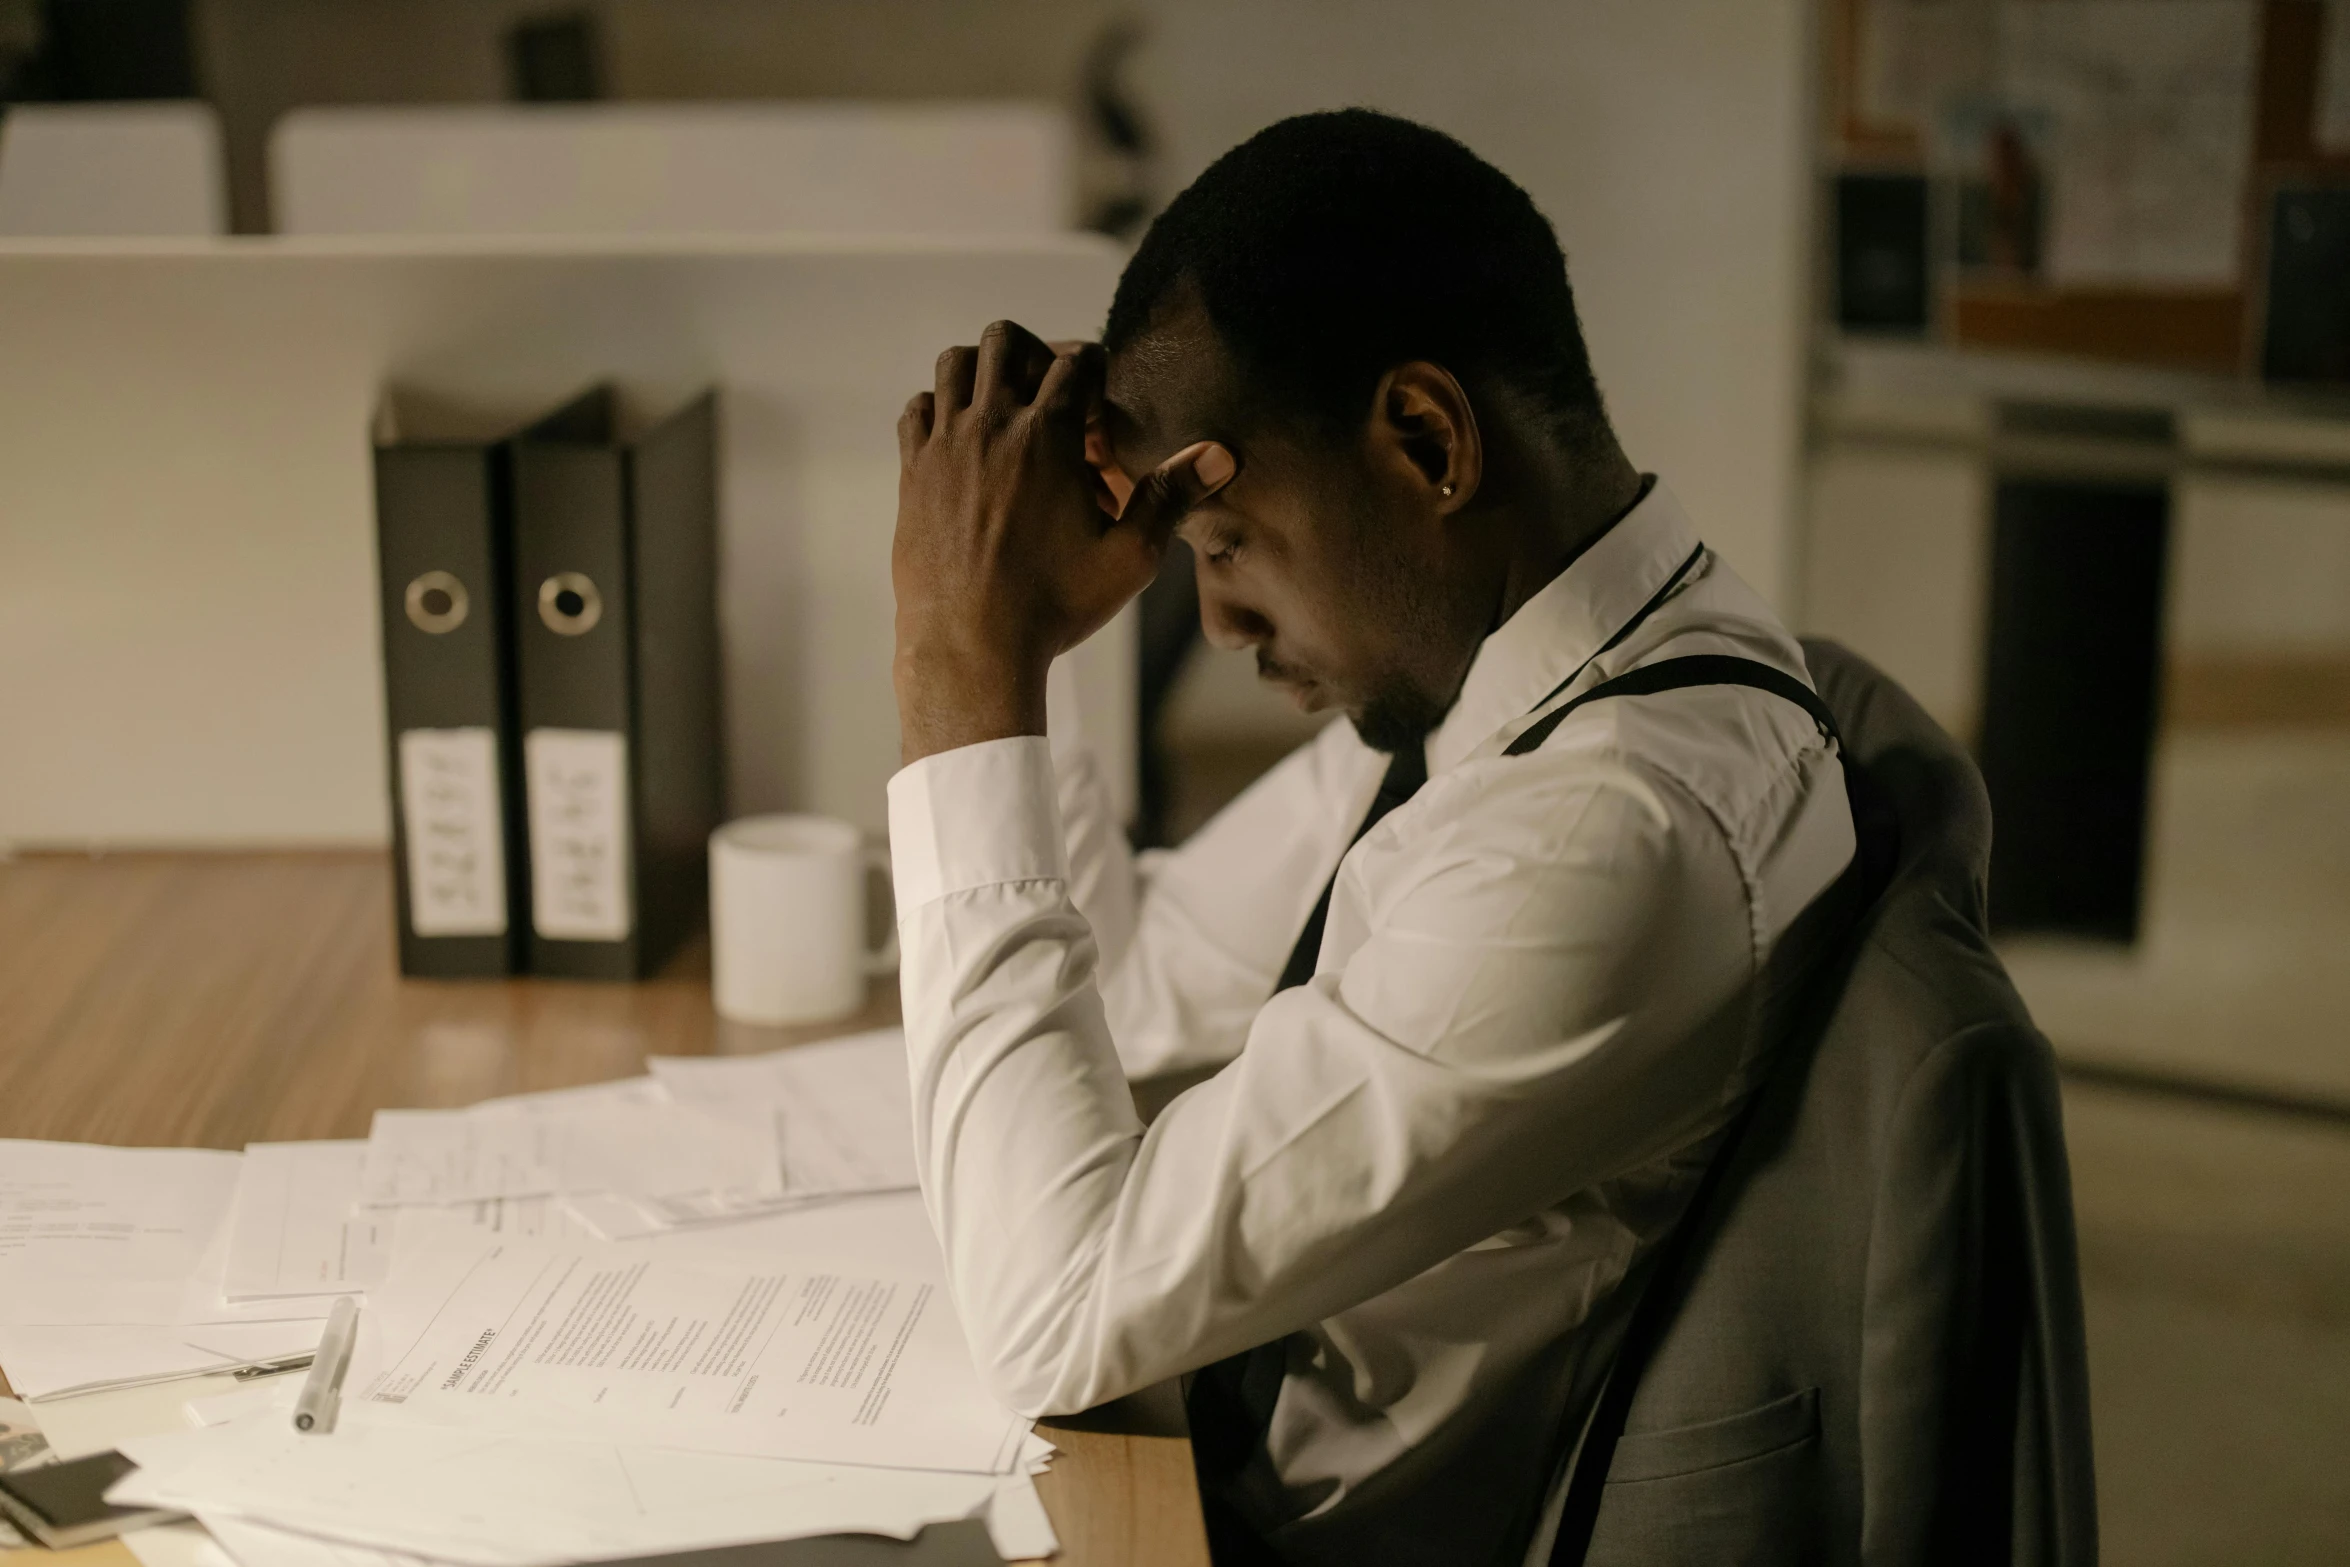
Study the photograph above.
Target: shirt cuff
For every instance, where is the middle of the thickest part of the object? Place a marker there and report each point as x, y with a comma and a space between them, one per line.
973, 817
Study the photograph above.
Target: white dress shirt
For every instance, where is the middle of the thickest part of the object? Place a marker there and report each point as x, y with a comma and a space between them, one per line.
1432, 1163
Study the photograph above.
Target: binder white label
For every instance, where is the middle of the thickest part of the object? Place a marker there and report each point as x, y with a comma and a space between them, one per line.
456, 843
578, 833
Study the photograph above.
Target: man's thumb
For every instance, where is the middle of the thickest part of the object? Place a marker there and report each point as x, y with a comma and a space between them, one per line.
1164, 494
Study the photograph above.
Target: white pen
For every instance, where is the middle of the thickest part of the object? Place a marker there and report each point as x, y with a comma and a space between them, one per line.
322, 1390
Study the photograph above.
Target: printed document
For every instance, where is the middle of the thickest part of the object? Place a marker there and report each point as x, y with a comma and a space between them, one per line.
93, 1235
299, 1230
643, 1150
715, 1351
295, 1228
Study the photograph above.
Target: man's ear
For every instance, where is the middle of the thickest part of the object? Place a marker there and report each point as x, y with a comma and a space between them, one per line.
1423, 421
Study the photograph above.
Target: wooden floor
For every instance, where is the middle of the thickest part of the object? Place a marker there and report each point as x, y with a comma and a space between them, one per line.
216, 1000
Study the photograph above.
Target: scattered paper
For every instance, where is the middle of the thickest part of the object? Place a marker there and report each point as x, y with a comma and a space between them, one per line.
494, 1500
580, 1096
519, 1218
884, 1232
840, 1114
1017, 1522
295, 1228
439, 1157
204, 1301
298, 1230
252, 1544
770, 1352
105, 1235
716, 1352
1016, 1519
182, 1544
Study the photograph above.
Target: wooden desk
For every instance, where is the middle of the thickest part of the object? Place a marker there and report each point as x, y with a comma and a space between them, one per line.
217, 1000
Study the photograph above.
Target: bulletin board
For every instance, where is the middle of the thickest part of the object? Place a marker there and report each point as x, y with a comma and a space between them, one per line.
2149, 297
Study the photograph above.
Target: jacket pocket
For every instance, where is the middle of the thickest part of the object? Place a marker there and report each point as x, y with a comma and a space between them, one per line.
1742, 1489
1680, 1450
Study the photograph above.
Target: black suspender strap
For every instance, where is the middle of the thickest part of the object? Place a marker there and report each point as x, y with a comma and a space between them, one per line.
1673, 674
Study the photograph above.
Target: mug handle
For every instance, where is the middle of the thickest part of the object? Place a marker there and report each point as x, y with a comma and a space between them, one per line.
883, 959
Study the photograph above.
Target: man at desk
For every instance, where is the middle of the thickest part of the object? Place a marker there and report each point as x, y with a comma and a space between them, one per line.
1485, 1003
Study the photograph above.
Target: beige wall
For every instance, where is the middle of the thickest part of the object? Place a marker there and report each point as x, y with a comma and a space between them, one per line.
2260, 568
1666, 139
189, 647
1896, 563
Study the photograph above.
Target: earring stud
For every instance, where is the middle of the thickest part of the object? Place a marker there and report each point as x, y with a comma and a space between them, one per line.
1446, 492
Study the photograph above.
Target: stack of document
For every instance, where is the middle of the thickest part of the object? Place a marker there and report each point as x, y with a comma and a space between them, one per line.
696, 1309
113, 1271
701, 1140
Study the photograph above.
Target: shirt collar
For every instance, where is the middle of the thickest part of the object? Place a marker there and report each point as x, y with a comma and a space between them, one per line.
1564, 624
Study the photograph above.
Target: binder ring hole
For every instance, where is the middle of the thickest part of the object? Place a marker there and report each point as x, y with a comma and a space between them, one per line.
436, 603
570, 604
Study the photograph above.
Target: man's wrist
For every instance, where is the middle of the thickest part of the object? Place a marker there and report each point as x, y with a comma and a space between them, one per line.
953, 697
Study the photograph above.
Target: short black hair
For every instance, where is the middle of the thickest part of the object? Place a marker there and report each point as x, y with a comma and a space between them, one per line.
1332, 247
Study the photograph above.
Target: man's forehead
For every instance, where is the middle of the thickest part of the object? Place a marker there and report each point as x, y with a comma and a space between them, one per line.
1168, 387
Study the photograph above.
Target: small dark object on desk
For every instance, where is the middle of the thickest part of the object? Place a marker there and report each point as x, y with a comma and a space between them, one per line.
64, 1504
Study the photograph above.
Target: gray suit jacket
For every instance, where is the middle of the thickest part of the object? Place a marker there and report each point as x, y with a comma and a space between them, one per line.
1875, 1355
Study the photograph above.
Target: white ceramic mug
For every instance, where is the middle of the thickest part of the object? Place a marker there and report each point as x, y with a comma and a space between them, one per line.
787, 919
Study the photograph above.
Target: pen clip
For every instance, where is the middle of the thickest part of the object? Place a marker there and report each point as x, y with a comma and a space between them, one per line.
271, 1368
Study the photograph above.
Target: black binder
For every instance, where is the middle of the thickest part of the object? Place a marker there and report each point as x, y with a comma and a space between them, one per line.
443, 501
616, 649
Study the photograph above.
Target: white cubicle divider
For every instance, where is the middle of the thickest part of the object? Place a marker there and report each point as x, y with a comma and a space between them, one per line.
189, 651
111, 168
829, 168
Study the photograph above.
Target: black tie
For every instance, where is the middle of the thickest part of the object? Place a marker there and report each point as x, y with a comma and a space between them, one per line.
1405, 774
1231, 1402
